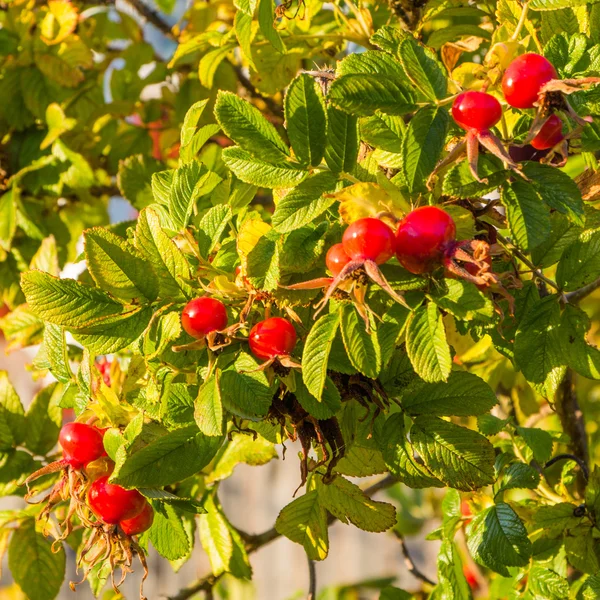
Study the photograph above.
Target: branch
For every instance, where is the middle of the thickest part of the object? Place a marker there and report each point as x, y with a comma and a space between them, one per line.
583, 466
573, 422
409, 561
581, 293
312, 580
255, 542
249, 87
149, 14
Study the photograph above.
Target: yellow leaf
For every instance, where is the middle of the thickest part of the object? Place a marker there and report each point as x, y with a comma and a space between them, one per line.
250, 232
59, 22
365, 200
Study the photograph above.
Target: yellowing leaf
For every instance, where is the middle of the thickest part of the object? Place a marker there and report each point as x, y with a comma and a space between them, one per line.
57, 123
59, 22
364, 200
250, 233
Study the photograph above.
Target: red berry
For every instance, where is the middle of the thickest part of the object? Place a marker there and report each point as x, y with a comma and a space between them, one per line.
81, 444
470, 577
139, 523
203, 315
272, 337
524, 78
111, 503
422, 237
477, 111
369, 239
336, 259
549, 135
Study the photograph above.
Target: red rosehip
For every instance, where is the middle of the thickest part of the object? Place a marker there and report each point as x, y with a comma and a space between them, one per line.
422, 237
111, 503
272, 337
524, 78
81, 444
369, 239
139, 523
549, 135
203, 315
336, 259
471, 578
476, 111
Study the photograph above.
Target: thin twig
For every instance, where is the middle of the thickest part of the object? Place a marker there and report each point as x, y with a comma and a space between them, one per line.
409, 561
583, 466
581, 293
312, 580
255, 542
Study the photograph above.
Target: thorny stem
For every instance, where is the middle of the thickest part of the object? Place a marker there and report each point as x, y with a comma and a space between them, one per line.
414, 570
255, 542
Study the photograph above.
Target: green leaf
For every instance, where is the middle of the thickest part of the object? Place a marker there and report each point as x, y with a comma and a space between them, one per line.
555, 519
266, 22
316, 353
211, 228
8, 218
325, 408
399, 456
579, 355
539, 441
167, 260
242, 449
254, 171
245, 391
36, 568
362, 347
161, 184
558, 4
537, 344
463, 300
208, 408
348, 503
245, 33
562, 234
519, 476
548, 584
12, 415
209, 63
53, 354
461, 458
263, 262
116, 267
58, 123
580, 262
452, 582
168, 534
341, 149
67, 302
426, 344
44, 420
363, 94
422, 145
459, 180
464, 394
383, 131
528, 218
167, 459
304, 521
246, 126
306, 120
557, 190
497, 539
190, 182
223, 545
423, 69
304, 203
134, 179
114, 334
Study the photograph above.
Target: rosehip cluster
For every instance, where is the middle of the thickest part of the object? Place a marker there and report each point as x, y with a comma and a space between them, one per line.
112, 514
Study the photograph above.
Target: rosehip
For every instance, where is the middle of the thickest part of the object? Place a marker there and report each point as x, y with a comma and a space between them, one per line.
203, 315
336, 259
139, 523
476, 111
549, 135
524, 79
81, 444
111, 503
422, 237
272, 337
369, 239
